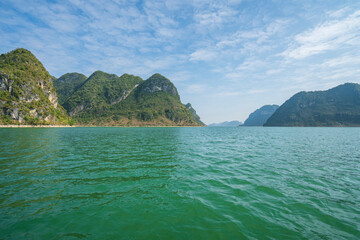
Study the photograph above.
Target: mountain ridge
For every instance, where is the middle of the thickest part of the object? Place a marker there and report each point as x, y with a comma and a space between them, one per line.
338, 106
260, 116
30, 95
106, 99
67, 84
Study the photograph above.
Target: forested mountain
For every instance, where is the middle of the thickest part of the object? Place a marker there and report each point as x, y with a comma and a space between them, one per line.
339, 106
260, 116
27, 94
106, 99
67, 84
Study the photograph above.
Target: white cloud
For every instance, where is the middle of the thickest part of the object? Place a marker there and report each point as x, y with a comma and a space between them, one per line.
274, 71
196, 88
257, 36
216, 16
350, 59
330, 35
203, 55
229, 93
257, 91
181, 76
339, 13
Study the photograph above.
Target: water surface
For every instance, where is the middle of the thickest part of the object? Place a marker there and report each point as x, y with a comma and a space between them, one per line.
180, 183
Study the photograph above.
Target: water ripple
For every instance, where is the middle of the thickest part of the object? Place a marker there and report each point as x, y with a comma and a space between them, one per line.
180, 183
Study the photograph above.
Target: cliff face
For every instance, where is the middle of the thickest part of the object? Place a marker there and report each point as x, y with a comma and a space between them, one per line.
27, 95
195, 115
158, 83
155, 102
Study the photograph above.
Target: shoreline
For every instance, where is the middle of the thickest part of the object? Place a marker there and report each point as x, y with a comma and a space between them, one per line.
75, 126
35, 126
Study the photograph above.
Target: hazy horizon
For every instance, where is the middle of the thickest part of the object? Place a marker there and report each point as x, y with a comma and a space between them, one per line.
227, 58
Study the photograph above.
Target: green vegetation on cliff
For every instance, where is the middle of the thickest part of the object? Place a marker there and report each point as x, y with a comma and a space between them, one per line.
67, 84
339, 106
193, 112
106, 99
27, 95
99, 91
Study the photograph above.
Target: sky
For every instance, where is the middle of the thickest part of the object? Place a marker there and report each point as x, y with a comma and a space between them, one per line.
227, 58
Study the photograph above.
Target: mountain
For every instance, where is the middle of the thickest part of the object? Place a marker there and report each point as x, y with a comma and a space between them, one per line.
193, 112
106, 99
339, 106
100, 90
27, 95
67, 84
260, 116
226, 124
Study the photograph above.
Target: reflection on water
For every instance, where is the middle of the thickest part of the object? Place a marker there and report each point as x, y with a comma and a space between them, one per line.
213, 183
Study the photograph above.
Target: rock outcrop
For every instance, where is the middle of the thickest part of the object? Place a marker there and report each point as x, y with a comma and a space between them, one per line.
195, 115
27, 95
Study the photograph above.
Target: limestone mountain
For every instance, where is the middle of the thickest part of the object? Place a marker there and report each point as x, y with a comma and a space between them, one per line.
27, 95
260, 116
193, 112
67, 84
339, 106
106, 99
100, 90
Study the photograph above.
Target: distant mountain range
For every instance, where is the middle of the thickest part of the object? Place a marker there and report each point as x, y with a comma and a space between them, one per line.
339, 106
260, 116
226, 124
28, 96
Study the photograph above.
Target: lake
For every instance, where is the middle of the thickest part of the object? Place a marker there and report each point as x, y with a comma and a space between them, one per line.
180, 183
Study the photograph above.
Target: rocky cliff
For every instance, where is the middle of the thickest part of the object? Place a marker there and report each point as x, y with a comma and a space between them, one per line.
27, 95
195, 115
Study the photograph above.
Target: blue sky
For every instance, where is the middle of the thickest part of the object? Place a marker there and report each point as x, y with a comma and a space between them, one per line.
227, 58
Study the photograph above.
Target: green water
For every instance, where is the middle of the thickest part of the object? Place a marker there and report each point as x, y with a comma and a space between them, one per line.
180, 183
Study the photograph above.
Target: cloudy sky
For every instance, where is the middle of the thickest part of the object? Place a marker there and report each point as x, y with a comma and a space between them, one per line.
227, 58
